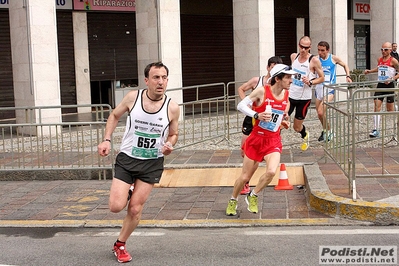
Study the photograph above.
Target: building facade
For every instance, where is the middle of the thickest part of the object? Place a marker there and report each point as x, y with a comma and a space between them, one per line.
69, 52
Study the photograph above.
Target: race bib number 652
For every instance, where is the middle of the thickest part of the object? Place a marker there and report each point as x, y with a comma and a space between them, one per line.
145, 145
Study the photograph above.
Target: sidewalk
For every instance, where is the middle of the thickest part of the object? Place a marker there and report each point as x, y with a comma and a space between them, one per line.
325, 198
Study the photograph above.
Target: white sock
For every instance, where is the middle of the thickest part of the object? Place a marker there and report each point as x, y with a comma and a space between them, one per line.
377, 119
378, 122
253, 193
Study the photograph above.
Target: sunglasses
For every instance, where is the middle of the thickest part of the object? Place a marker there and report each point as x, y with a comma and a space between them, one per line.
385, 49
304, 47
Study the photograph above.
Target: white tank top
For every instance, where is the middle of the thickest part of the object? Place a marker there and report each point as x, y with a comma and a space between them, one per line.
298, 89
260, 82
385, 71
145, 132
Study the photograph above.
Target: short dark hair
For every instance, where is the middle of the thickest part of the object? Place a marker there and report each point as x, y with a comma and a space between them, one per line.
158, 64
324, 44
274, 60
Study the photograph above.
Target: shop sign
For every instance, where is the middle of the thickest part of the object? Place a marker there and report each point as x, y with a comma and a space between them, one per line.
63, 4
4, 3
361, 9
105, 5
60, 4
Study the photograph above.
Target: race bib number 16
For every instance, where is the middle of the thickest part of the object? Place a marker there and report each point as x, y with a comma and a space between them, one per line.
275, 122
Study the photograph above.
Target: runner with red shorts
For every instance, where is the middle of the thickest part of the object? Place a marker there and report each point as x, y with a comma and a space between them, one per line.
269, 108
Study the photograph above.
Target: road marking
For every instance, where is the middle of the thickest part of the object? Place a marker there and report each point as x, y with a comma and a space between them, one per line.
106, 234
325, 232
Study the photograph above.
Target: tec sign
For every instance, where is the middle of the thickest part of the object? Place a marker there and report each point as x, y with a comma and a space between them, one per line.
361, 9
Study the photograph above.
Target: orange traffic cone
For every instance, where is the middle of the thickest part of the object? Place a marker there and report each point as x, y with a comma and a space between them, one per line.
283, 183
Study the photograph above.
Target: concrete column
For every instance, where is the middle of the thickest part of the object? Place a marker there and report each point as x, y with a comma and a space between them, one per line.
82, 71
340, 35
300, 29
351, 44
253, 37
328, 22
158, 39
34, 51
396, 21
321, 19
381, 27
147, 36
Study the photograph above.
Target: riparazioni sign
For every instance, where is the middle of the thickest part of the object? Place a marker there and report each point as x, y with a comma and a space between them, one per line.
59, 4
105, 5
89, 5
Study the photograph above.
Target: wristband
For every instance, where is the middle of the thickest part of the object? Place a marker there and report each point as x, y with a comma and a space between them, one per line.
348, 76
107, 140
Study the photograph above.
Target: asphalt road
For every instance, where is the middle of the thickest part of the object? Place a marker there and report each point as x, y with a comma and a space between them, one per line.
277, 245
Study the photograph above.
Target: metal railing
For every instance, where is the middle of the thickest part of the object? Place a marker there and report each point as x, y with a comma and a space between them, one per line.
71, 144
206, 118
203, 118
33, 144
351, 119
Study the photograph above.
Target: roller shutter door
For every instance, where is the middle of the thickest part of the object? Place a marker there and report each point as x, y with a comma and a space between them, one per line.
285, 38
207, 52
6, 80
66, 58
112, 46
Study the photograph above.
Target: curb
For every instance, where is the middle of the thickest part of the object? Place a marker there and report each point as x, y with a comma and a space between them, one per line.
216, 165
321, 199
217, 223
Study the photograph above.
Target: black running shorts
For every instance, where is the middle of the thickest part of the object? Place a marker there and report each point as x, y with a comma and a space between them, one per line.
129, 169
383, 94
301, 108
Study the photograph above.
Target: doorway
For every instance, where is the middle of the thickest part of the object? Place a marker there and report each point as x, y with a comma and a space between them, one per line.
101, 92
362, 47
